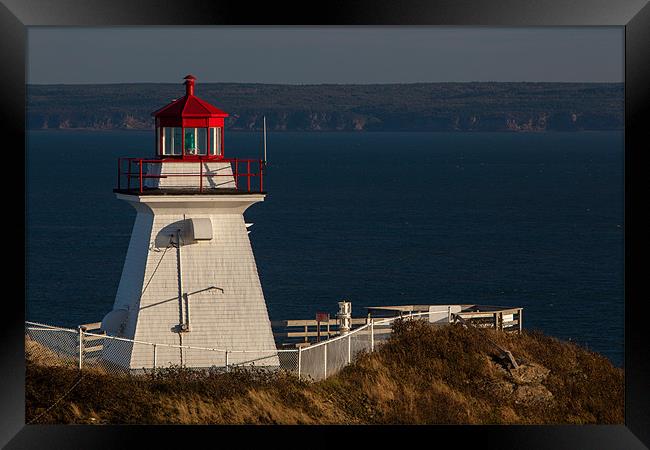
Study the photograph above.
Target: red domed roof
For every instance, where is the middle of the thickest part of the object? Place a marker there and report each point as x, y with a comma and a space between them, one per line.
189, 105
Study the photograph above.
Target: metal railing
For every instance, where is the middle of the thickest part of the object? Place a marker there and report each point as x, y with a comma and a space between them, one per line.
502, 319
295, 331
139, 170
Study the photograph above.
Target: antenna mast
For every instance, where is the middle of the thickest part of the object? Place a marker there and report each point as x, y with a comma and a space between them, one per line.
264, 139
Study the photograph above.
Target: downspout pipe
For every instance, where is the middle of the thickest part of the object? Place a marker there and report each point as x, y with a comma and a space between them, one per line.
182, 297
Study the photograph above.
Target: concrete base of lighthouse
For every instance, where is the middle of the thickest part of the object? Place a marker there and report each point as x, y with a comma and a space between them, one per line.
201, 293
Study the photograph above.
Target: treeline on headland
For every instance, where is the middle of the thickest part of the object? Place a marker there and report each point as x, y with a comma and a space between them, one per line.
476, 106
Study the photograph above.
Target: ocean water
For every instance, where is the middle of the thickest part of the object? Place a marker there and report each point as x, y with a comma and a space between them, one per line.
529, 219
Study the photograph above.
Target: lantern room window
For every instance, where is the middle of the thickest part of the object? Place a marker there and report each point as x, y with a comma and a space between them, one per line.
196, 142
171, 141
215, 141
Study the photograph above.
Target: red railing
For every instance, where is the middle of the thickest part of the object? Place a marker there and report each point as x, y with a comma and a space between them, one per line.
136, 173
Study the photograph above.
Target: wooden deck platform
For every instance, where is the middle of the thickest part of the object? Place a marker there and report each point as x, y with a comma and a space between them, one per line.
294, 333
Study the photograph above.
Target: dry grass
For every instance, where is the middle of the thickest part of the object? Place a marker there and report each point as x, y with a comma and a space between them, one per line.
41, 355
422, 375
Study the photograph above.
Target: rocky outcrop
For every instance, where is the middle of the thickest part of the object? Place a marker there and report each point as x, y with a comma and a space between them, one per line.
525, 384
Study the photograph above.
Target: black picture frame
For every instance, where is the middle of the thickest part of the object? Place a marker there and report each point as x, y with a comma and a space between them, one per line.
17, 15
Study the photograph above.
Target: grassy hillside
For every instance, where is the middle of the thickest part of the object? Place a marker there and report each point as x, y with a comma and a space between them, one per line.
484, 106
422, 375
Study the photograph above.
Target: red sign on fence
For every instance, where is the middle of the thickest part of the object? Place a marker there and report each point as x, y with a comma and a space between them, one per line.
322, 317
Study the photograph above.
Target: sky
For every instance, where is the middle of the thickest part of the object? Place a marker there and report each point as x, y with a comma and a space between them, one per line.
325, 54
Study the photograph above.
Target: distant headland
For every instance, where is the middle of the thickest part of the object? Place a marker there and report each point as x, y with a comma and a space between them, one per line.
476, 106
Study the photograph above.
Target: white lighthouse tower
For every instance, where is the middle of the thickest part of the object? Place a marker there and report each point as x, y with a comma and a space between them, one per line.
190, 276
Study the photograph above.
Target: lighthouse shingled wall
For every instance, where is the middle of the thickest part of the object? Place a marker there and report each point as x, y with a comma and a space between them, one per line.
233, 319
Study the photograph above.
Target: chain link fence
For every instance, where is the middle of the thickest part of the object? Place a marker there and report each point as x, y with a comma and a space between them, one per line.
327, 358
57, 346
51, 346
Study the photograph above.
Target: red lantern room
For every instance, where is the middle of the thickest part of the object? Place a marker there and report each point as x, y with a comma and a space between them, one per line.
189, 128
189, 158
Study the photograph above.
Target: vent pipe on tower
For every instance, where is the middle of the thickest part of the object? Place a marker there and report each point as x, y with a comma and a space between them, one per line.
189, 84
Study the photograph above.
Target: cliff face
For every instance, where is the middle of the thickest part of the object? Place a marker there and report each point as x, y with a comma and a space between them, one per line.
394, 107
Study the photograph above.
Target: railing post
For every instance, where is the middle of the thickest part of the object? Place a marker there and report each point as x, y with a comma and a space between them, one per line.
81, 330
236, 174
248, 168
261, 176
155, 357
128, 173
141, 176
226, 360
299, 361
325, 357
372, 335
349, 349
520, 321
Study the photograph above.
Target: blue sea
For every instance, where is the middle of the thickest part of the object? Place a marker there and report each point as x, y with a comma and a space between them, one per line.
514, 219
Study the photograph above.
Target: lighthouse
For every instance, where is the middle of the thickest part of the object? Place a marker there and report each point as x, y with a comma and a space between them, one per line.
189, 278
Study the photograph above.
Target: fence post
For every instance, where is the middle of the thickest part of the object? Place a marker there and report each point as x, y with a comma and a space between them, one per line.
155, 357
520, 322
81, 345
349, 349
299, 361
372, 335
226, 360
325, 355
